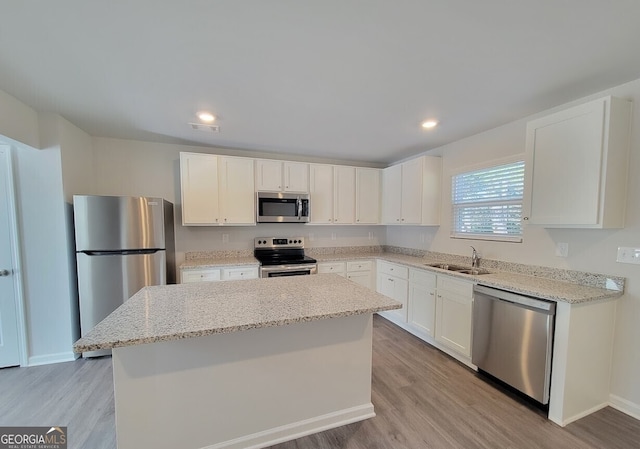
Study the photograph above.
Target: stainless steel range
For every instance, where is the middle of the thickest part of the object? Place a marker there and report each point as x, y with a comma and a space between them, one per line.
281, 256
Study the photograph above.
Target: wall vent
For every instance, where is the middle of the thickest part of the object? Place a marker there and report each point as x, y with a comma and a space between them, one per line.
205, 128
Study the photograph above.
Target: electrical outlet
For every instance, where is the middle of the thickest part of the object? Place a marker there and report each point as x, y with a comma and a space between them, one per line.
225, 238
628, 255
562, 249
333, 236
423, 237
370, 235
311, 236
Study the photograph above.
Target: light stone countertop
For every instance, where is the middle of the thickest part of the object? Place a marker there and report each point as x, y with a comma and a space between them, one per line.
173, 312
531, 285
533, 281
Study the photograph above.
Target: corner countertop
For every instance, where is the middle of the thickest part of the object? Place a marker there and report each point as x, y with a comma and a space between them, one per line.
525, 284
572, 287
173, 312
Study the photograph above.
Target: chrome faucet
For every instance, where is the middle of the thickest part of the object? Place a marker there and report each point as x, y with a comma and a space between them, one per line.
475, 259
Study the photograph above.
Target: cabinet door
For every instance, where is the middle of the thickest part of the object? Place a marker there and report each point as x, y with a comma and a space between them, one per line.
344, 195
239, 273
431, 190
367, 196
395, 288
564, 151
200, 275
331, 267
199, 189
296, 177
392, 194
422, 301
321, 193
237, 193
454, 308
268, 175
411, 196
363, 278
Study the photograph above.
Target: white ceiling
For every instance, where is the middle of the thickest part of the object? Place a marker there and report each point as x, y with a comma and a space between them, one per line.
342, 79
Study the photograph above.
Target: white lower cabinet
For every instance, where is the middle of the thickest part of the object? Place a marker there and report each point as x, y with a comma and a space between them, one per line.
422, 302
359, 271
199, 275
436, 308
217, 274
331, 267
454, 313
392, 281
234, 274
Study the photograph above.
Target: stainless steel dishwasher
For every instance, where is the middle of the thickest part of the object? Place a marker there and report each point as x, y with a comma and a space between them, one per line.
513, 339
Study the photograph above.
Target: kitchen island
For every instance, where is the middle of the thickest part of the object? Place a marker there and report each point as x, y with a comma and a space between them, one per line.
239, 364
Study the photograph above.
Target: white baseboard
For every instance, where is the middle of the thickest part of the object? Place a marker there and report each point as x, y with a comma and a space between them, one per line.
298, 429
52, 358
624, 406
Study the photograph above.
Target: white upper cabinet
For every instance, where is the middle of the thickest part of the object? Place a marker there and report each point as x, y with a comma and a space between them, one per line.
344, 194
411, 192
367, 195
279, 176
321, 193
296, 177
215, 191
236, 191
577, 164
199, 189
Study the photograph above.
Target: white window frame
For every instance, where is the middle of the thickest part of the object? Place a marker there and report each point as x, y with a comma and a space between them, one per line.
479, 167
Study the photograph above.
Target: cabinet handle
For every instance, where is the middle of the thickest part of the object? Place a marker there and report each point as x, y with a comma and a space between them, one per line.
431, 294
390, 280
439, 296
402, 219
397, 219
286, 187
525, 218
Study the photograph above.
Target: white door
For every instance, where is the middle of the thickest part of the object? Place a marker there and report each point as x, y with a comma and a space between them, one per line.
9, 353
237, 192
367, 195
344, 190
296, 177
321, 193
199, 188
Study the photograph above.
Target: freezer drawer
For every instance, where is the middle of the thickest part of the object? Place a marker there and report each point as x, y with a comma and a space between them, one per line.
109, 223
107, 281
512, 340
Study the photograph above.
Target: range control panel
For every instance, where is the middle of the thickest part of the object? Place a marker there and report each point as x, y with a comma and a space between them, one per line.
279, 242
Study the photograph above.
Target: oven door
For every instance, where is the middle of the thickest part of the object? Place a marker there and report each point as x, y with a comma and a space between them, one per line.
272, 271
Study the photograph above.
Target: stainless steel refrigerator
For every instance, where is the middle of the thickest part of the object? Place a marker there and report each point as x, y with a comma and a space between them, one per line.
122, 245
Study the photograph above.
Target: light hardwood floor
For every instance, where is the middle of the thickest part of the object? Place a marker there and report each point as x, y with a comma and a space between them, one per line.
423, 399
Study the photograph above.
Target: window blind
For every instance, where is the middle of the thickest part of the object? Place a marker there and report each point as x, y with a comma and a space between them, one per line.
487, 203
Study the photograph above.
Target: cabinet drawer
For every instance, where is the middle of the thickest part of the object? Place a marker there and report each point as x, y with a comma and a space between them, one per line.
359, 265
422, 278
331, 267
449, 284
393, 270
200, 275
231, 274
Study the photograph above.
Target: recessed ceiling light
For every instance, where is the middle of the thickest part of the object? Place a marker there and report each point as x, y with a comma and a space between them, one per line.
206, 117
428, 124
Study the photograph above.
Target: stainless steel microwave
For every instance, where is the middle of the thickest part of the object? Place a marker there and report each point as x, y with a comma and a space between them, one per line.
282, 207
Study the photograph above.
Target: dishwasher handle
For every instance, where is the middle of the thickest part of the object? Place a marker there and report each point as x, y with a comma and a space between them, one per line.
539, 305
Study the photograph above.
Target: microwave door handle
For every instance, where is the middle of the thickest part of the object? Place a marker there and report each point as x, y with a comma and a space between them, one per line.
299, 203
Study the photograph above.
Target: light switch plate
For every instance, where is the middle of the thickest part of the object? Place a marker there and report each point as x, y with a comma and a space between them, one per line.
628, 254
225, 238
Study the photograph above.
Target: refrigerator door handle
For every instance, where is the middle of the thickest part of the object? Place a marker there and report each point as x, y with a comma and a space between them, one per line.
124, 252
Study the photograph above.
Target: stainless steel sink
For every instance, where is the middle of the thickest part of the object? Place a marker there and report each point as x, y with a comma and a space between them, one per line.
458, 268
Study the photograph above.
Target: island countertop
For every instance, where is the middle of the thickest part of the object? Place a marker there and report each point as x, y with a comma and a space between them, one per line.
172, 312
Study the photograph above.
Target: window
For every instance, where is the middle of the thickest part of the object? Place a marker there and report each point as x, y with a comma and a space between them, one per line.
487, 203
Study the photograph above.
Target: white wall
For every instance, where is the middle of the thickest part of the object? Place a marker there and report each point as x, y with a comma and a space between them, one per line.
18, 121
129, 167
46, 231
589, 250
